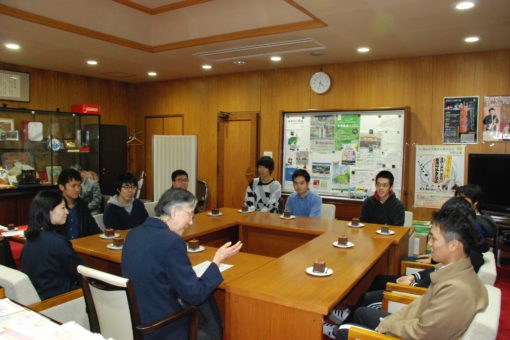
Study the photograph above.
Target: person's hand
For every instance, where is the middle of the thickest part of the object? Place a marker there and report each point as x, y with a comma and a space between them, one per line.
425, 258
226, 251
406, 280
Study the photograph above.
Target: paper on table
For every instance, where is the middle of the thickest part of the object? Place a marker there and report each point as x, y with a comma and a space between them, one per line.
13, 233
202, 267
70, 331
8, 307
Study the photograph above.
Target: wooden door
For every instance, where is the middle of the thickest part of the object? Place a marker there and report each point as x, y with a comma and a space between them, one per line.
164, 125
237, 156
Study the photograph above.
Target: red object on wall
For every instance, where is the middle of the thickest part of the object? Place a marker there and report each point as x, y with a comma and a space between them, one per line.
85, 108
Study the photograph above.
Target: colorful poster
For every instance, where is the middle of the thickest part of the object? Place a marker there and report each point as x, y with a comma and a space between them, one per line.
460, 124
496, 118
347, 130
439, 168
322, 133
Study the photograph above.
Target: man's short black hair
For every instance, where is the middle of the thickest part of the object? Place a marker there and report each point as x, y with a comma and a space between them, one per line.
179, 172
67, 175
471, 191
385, 174
301, 173
457, 222
492, 109
126, 178
266, 162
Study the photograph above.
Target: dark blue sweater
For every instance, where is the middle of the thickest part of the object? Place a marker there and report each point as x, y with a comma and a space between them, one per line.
118, 218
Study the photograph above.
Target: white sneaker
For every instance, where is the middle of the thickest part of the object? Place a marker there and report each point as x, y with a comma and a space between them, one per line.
339, 315
329, 330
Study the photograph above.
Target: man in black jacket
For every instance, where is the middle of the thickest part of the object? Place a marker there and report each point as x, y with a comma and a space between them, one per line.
79, 221
383, 207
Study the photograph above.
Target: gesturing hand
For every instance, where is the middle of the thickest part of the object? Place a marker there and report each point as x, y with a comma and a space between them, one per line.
226, 251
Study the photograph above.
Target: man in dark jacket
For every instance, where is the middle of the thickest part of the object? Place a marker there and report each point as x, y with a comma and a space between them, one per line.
383, 207
80, 222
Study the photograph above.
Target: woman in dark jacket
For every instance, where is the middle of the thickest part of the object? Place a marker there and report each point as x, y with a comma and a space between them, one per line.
48, 257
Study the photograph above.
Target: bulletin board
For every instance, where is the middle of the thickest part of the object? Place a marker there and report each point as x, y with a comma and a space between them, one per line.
343, 150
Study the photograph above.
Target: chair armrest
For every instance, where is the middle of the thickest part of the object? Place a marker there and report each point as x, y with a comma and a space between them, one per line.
2, 292
57, 300
356, 333
405, 289
390, 297
411, 264
192, 310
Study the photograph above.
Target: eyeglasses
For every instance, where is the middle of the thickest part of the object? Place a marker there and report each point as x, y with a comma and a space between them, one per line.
129, 187
182, 180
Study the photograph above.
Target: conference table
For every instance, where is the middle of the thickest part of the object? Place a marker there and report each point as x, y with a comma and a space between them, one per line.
267, 294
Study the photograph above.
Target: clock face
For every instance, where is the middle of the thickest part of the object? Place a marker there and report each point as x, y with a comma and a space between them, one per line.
320, 82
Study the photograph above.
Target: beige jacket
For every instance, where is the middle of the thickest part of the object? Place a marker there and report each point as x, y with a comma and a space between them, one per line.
455, 295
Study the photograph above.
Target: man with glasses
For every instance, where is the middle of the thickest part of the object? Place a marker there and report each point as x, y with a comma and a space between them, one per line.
123, 210
180, 179
383, 207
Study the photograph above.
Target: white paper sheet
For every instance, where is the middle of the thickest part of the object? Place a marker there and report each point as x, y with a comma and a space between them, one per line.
202, 267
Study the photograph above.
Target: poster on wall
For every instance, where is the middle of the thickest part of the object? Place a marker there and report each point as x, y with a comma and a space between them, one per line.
322, 133
496, 118
460, 120
438, 169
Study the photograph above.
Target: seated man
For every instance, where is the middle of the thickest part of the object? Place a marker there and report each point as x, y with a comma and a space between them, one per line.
455, 294
473, 193
263, 192
383, 207
303, 202
180, 179
79, 222
124, 211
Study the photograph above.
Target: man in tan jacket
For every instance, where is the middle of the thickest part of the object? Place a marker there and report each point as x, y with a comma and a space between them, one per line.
455, 294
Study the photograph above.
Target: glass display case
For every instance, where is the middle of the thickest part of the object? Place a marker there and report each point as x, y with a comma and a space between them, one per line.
36, 145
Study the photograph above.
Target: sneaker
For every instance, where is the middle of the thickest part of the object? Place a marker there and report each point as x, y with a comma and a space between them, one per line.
329, 330
338, 315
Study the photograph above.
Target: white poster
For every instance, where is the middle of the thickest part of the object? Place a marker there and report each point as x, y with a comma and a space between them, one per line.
439, 168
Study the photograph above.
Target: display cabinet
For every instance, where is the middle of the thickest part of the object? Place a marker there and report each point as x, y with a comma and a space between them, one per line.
36, 145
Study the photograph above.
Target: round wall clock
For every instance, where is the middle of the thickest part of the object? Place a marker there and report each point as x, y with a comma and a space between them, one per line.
320, 82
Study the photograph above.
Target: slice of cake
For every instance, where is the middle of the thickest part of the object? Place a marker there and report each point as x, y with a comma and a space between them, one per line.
287, 214
244, 208
385, 229
193, 244
109, 232
355, 222
319, 266
215, 211
118, 242
342, 240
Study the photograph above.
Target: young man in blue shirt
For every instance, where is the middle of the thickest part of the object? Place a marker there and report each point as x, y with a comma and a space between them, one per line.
303, 202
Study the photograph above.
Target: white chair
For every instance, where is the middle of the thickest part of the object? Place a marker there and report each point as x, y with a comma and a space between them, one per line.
63, 308
408, 219
113, 309
99, 221
328, 211
488, 272
149, 206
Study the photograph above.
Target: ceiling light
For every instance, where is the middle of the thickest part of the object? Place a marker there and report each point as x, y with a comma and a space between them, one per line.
463, 5
363, 49
152, 74
276, 58
92, 62
12, 46
239, 62
471, 39
206, 67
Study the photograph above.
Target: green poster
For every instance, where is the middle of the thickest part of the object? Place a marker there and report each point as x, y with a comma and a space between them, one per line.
346, 130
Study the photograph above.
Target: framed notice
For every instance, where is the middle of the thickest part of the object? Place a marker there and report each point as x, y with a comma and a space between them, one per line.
460, 124
14, 86
496, 118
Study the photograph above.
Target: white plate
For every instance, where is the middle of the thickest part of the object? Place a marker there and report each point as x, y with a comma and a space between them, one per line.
391, 232
348, 245
287, 218
244, 212
109, 237
310, 271
360, 225
213, 215
198, 250
111, 246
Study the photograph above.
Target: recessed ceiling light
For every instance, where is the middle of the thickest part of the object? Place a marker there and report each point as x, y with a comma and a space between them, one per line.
463, 5
276, 58
363, 49
316, 54
471, 39
92, 62
239, 62
12, 46
152, 74
206, 67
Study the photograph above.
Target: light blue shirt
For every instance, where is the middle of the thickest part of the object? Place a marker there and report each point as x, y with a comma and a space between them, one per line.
308, 206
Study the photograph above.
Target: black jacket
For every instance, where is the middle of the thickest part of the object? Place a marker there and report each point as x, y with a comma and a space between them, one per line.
88, 225
118, 218
390, 212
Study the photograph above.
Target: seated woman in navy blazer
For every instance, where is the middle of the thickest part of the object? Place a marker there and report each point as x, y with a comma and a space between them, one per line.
154, 258
124, 210
48, 257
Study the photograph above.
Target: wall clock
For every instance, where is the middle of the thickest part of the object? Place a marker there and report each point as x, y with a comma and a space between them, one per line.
320, 82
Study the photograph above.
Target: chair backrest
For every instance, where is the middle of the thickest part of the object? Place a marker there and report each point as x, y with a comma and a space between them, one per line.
488, 272
328, 211
18, 286
485, 323
202, 194
110, 302
408, 219
149, 206
99, 221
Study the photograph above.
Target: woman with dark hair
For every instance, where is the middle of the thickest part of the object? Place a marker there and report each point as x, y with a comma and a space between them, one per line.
48, 257
154, 258
263, 192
